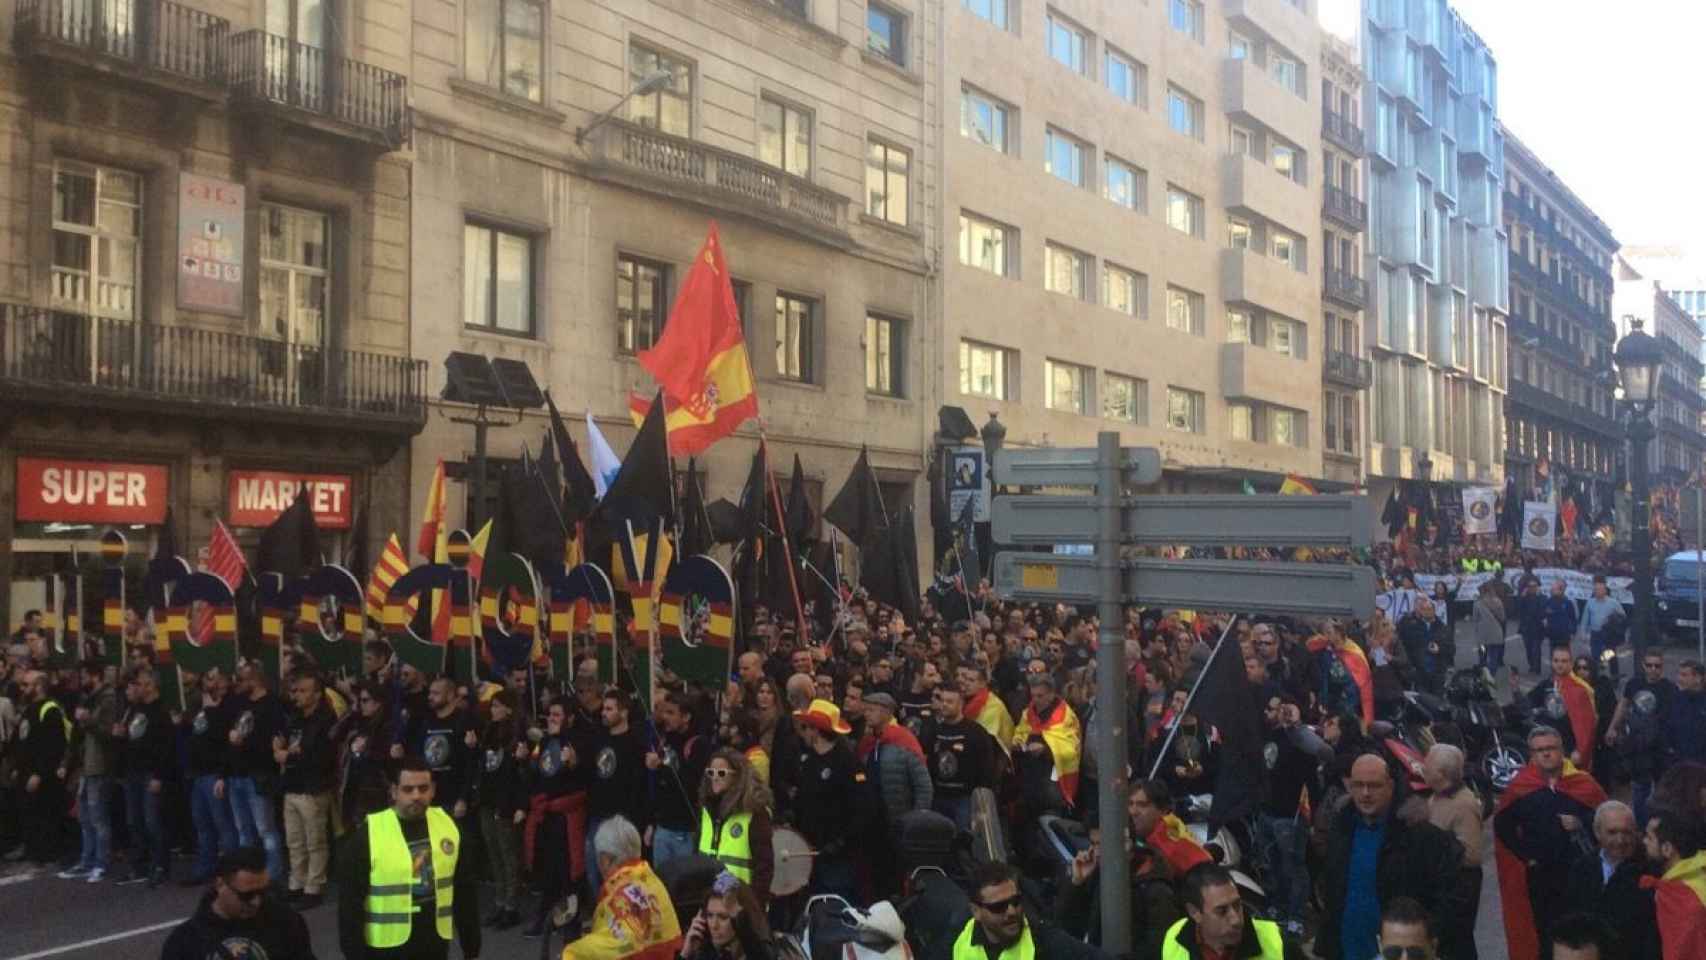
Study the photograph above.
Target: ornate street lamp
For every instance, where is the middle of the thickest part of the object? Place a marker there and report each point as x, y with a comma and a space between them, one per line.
1639, 360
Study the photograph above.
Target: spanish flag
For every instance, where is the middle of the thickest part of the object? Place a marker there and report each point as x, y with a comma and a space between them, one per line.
700, 360
1173, 841
1295, 484
991, 714
1520, 933
1680, 901
1356, 664
1584, 716
1065, 742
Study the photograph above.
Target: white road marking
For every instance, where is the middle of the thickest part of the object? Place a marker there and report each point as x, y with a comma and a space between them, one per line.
97, 941
10, 879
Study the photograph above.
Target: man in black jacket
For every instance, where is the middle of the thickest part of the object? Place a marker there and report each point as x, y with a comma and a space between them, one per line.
999, 928
307, 757
677, 763
252, 785
1373, 857
960, 754
207, 728
441, 734
619, 777
237, 918
148, 757
43, 735
1428, 643
1607, 883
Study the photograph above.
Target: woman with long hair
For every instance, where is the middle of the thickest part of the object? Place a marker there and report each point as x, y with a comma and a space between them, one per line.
734, 820
503, 805
364, 737
767, 707
731, 926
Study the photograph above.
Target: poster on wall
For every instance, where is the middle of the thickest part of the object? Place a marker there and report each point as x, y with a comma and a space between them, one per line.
968, 480
210, 244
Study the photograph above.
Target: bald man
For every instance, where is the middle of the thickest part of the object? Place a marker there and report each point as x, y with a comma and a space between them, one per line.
43, 735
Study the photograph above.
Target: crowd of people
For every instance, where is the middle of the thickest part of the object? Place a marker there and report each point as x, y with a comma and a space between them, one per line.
406, 795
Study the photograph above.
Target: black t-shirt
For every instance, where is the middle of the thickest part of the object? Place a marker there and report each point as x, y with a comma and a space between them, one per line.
442, 743
208, 728
255, 722
916, 711
960, 757
620, 785
148, 741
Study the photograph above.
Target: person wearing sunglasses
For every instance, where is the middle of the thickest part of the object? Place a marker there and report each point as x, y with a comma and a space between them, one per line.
734, 821
999, 929
236, 918
1636, 729
1406, 933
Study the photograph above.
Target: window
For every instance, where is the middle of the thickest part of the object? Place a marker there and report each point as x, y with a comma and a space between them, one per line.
1067, 43
885, 33
1184, 211
1244, 142
1287, 72
1065, 156
1186, 16
670, 109
1287, 248
884, 344
1285, 427
984, 245
1124, 184
1241, 421
887, 172
985, 370
983, 118
1184, 310
1125, 290
1283, 337
1238, 233
1240, 47
1330, 410
1068, 271
995, 11
796, 322
785, 137
1237, 326
502, 44
1184, 113
295, 274
743, 303
642, 303
1124, 76
97, 223
1184, 410
1068, 387
1125, 398
1288, 161
497, 279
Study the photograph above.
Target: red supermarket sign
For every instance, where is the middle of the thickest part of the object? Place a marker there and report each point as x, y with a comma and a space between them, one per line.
90, 491
257, 497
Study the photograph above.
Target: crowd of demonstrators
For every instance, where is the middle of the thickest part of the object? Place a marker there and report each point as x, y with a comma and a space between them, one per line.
398, 792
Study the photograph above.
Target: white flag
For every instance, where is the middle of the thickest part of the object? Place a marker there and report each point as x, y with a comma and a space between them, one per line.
605, 465
1539, 525
1479, 509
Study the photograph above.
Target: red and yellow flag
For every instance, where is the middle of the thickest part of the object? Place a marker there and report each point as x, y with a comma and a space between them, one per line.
1173, 841
1295, 484
1522, 941
432, 517
700, 360
991, 714
1584, 716
392, 564
1065, 741
1679, 899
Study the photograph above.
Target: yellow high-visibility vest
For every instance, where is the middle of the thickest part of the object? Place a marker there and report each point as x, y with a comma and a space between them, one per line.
732, 845
1267, 935
391, 877
1023, 949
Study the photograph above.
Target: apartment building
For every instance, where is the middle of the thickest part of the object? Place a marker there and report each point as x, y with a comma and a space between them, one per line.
1559, 411
1678, 451
568, 161
1136, 192
1679, 270
204, 274
1345, 368
1437, 250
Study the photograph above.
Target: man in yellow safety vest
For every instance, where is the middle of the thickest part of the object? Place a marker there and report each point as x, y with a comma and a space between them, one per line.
1216, 924
999, 930
405, 891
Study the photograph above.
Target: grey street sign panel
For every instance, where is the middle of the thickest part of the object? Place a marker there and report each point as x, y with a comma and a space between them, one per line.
1198, 519
1302, 589
1072, 466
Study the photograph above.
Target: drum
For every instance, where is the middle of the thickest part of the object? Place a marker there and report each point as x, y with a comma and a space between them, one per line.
793, 861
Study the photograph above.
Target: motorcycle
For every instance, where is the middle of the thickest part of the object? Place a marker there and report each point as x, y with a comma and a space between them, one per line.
1493, 737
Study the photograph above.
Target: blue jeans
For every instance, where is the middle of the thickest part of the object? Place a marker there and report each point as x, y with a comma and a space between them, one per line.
1493, 656
670, 845
95, 818
215, 831
252, 812
147, 832
1281, 840
593, 878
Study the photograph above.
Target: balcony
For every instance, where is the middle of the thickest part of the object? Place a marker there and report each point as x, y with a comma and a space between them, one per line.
1250, 276
1347, 369
1250, 372
1289, 26
647, 159
320, 90
1555, 290
1344, 209
61, 358
1538, 401
153, 41
1252, 186
1252, 94
1688, 395
1346, 289
1337, 129
1528, 216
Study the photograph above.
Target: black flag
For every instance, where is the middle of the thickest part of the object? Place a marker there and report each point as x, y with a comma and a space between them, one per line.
797, 517
291, 545
858, 509
695, 522
355, 561
889, 565
1228, 701
641, 493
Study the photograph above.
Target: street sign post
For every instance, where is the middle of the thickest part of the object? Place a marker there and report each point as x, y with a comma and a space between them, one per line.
1110, 519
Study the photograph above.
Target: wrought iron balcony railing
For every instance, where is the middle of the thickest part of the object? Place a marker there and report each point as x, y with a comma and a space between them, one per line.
1347, 369
1346, 288
156, 35
270, 69
1339, 129
1341, 206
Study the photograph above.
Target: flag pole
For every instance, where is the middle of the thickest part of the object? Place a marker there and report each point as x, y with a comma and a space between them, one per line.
787, 546
1161, 755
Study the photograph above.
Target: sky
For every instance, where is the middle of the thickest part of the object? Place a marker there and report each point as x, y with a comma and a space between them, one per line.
1606, 94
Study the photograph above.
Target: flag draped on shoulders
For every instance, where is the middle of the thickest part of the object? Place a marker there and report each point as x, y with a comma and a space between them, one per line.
700, 359
635, 919
893, 735
1065, 740
1679, 898
1520, 932
1583, 714
1355, 662
991, 714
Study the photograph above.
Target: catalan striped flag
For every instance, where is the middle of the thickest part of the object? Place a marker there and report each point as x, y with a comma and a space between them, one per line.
225, 561
392, 564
